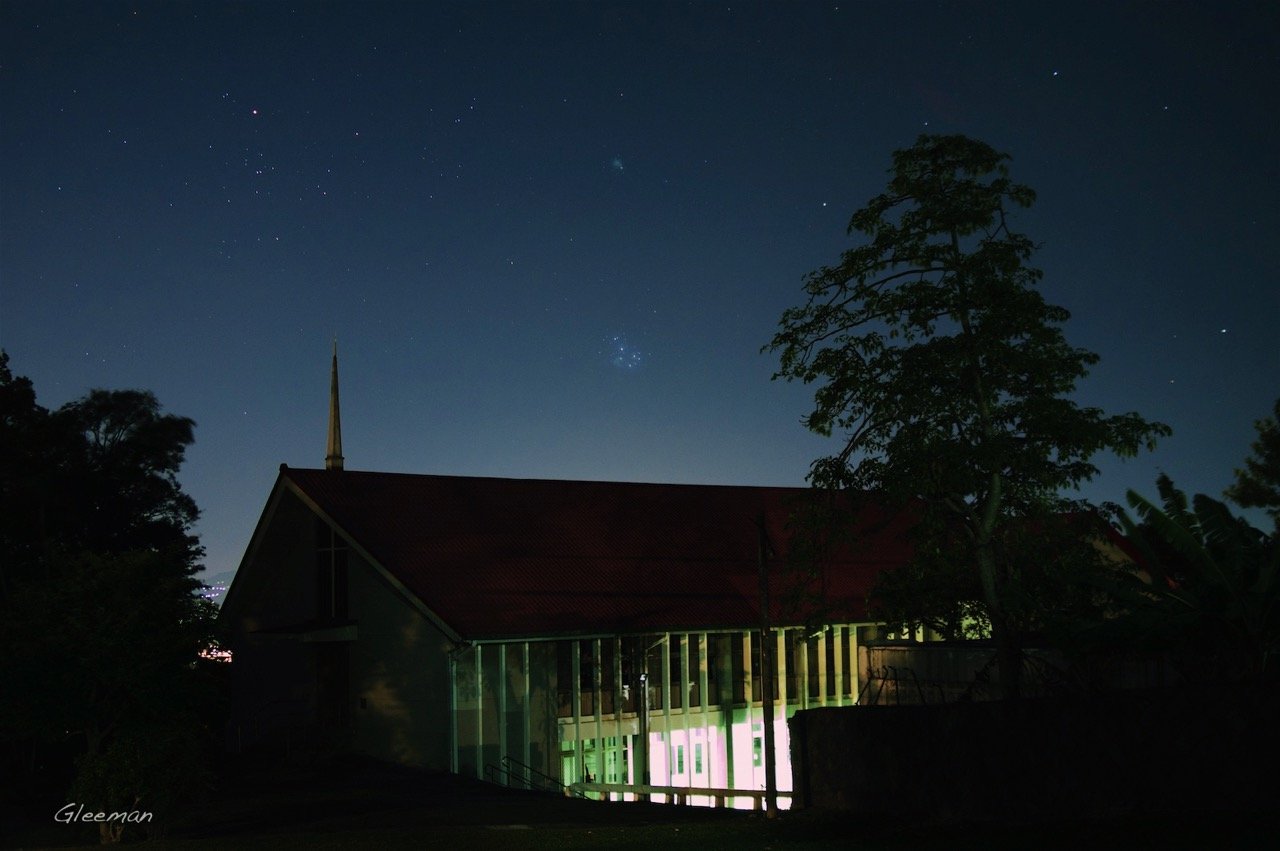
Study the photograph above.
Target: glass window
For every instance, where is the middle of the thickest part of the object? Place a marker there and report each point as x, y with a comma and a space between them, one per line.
737, 668
587, 673
673, 661
793, 645
811, 659
850, 679
831, 637
331, 573
756, 667
564, 679
717, 655
630, 674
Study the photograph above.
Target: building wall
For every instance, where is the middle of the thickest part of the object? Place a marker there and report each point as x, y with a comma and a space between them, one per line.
273, 678
399, 676
390, 682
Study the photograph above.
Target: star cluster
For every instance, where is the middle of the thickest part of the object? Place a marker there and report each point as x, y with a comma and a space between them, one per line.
623, 355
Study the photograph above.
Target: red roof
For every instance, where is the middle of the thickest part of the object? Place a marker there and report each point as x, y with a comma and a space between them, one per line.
497, 558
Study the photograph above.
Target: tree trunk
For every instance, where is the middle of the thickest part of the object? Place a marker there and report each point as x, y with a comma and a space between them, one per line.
1008, 653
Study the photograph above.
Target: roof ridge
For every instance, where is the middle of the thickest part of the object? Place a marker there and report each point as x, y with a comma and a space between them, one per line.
542, 480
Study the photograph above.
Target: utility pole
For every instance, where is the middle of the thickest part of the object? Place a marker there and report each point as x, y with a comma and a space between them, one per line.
766, 675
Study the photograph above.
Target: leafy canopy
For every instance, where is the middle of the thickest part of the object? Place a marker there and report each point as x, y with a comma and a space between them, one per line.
1211, 591
937, 359
1257, 484
941, 367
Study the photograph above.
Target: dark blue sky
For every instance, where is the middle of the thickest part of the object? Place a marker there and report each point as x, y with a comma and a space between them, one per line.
552, 238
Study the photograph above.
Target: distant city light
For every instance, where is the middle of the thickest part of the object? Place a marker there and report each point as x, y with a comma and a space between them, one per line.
215, 653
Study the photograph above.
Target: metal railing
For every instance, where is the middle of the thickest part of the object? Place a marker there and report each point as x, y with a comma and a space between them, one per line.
526, 776
675, 794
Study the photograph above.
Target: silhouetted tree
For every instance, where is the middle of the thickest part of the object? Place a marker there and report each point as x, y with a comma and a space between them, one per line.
947, 374
31, 472
101, 622
1209, 597
1257, 485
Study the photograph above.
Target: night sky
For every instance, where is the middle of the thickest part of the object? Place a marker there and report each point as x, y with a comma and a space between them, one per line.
552, 238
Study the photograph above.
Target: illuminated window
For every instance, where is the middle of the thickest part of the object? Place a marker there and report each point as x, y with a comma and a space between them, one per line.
679, 759
697, 759
850, 668
793, 645
737, 666
832, 637
673, 668
564, 679
810, 649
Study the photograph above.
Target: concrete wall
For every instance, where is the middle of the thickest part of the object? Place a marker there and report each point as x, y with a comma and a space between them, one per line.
1146, 751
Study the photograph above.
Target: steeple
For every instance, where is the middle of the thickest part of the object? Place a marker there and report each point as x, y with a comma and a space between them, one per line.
333, 459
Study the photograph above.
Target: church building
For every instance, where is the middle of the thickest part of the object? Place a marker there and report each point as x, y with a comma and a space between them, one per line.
608, 636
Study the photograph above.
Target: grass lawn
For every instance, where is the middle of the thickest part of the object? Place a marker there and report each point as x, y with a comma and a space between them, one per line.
362, 805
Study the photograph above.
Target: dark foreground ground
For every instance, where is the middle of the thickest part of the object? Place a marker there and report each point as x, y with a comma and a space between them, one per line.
361, 805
